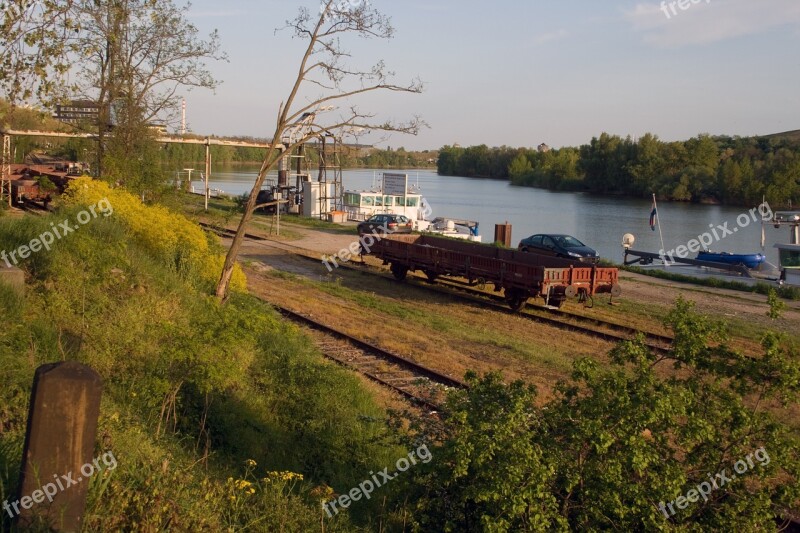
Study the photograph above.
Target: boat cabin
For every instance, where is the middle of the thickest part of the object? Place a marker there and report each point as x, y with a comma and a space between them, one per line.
391, 195
360, 205
789, 254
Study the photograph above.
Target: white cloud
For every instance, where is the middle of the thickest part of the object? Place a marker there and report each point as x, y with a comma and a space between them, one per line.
709, 21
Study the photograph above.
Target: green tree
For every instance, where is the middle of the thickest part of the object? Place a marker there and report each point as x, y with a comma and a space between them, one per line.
647, 165
520, 170
131, 56
620, 443
448, 162
34, 49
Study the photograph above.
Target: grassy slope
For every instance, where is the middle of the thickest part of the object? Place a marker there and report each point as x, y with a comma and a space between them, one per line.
99, 298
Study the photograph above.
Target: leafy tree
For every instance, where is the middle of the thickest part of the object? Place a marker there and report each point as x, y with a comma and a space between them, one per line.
449, 156
130, 56
647, 165
520, 169
733, 170
618, 446
34, 48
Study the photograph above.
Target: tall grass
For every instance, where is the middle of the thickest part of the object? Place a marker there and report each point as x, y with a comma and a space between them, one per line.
199, 397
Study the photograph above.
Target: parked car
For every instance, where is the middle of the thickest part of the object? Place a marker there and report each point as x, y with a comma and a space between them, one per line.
565, 246
386, 223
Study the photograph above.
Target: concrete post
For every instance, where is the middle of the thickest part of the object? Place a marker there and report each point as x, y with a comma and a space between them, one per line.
62, 428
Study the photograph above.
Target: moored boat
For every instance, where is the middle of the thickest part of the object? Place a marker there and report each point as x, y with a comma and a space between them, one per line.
454, 228
394, 195
748, 260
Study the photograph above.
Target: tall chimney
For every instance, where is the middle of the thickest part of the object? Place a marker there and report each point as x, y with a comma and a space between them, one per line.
183, 117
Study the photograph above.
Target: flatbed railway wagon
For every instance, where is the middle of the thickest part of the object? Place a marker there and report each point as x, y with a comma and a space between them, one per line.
521, 275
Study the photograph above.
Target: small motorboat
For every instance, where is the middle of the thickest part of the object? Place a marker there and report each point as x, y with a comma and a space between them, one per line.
450, 227
748, 260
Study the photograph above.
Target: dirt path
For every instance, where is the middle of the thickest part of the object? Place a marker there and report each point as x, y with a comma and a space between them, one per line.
640, 291
452, 336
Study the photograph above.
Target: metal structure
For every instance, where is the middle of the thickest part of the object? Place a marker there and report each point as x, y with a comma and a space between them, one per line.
208, 142
331, 197
296, 166
5, 169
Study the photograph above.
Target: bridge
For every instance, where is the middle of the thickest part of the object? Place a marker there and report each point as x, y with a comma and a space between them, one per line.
208, 142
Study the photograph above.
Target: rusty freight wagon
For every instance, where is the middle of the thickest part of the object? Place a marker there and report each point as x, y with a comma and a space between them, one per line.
520, 275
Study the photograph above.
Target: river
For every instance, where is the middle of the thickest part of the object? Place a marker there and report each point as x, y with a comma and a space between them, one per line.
598, 221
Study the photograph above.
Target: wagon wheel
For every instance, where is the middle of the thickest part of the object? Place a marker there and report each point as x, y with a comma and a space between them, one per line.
399, 271
481, 283
516, 299
431, 275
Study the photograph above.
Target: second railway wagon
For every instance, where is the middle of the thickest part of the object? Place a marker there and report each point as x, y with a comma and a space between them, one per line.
520, 275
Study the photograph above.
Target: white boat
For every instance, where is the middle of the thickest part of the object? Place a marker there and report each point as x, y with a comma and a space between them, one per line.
394, 195
451, 227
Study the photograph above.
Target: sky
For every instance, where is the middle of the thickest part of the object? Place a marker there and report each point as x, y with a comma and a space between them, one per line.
521, 73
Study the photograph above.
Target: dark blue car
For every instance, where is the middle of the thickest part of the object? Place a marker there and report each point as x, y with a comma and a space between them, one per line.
565, 246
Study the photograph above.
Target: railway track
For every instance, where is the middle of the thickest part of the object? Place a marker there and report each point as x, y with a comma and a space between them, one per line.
424, 386
229, 233
32, 208
594, 327
428, 386
610, 331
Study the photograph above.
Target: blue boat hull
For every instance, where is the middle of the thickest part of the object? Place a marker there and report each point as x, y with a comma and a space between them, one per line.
748, 260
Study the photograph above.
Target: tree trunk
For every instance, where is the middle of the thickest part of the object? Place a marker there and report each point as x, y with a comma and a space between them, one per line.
233, 252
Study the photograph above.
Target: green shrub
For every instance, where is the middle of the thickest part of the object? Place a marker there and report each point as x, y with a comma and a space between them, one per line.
192, 389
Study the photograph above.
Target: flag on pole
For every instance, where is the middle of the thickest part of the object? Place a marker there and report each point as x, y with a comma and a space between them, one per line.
653, 215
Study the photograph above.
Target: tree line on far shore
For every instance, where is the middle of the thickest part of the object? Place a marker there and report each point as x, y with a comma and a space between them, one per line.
720, 169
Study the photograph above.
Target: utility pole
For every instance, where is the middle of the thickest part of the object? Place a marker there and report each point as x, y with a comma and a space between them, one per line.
208, 169
5, 169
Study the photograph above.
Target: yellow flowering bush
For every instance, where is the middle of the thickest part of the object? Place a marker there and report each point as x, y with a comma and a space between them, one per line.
170, 236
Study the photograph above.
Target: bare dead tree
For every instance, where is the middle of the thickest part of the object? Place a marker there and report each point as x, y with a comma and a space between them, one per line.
325, 69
